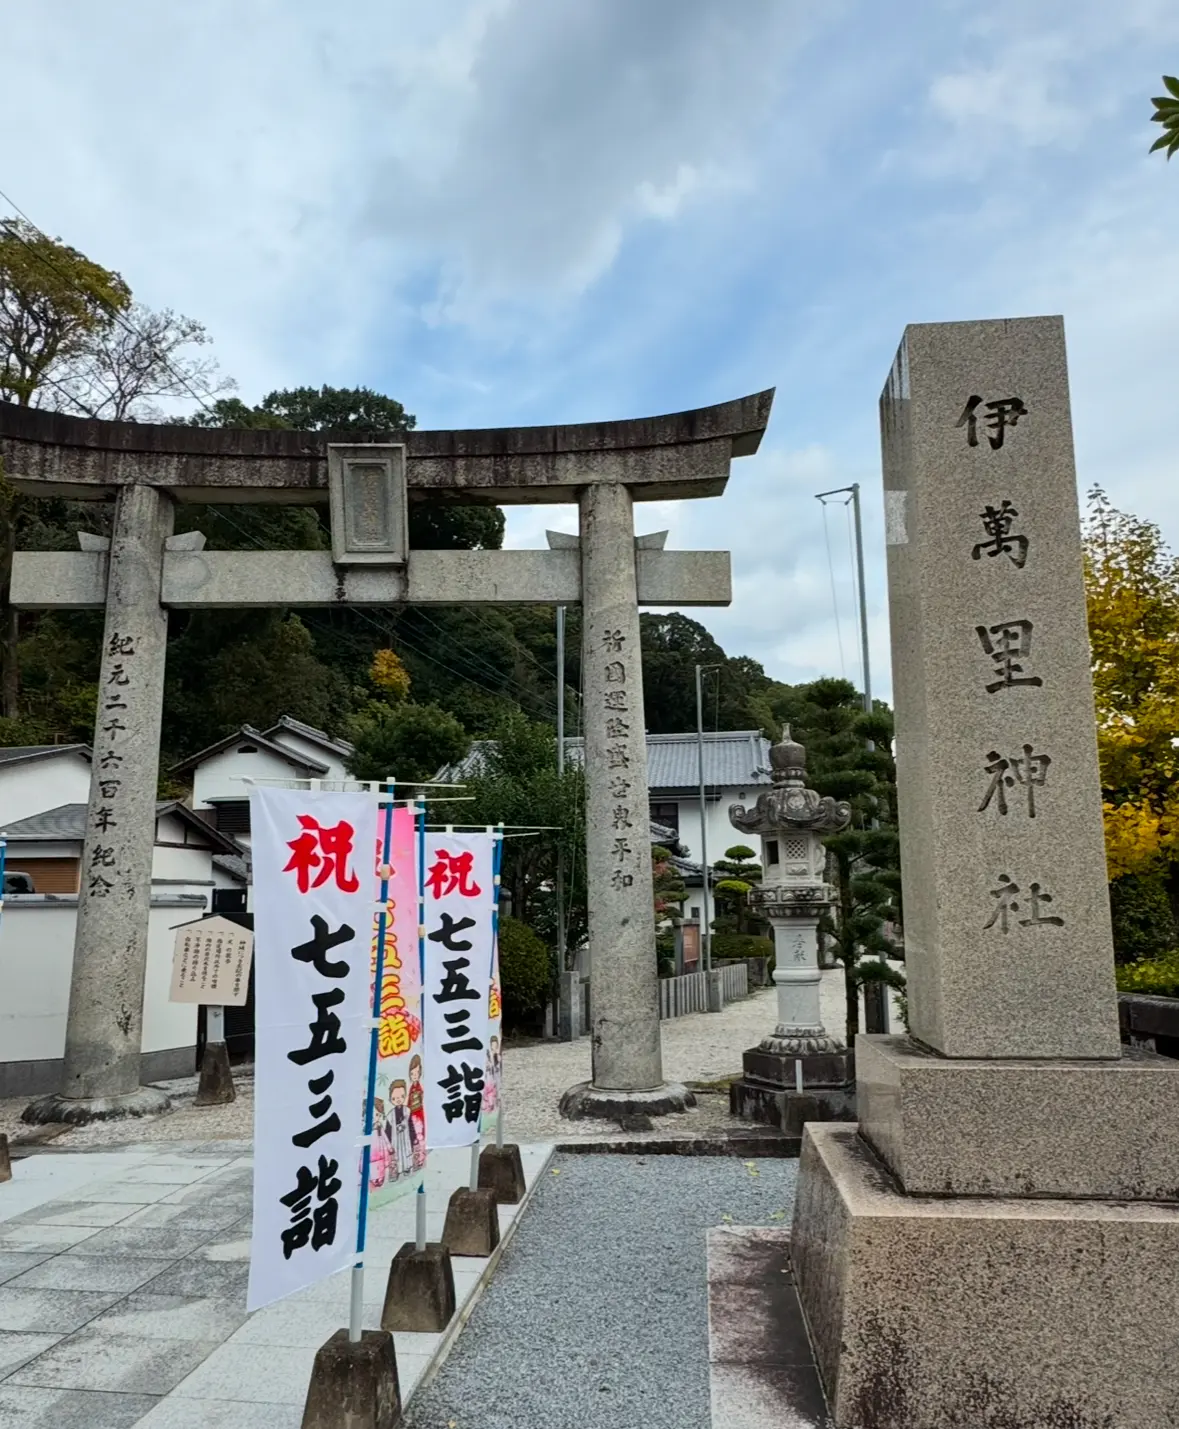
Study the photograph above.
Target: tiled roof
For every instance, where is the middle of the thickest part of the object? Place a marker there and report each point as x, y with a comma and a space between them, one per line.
249, 735
316, 736
732, 759
236, 865
68, 823
22, 753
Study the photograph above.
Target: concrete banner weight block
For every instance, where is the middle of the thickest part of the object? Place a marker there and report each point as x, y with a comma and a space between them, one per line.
354, 1384
472, 1223
501, 1172
419, 1295
5, 1160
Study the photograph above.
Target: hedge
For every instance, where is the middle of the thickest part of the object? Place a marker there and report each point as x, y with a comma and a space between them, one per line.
1159, 976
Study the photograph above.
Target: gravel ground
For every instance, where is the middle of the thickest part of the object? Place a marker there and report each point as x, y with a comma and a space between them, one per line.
701, 1048
597, 1315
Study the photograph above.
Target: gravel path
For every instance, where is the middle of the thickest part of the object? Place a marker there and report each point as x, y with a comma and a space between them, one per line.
701, 1048
597, 1315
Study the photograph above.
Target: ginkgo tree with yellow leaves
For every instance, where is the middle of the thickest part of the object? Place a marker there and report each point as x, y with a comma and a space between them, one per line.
1132, 592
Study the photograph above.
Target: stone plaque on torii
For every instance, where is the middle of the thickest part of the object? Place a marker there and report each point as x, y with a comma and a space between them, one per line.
144, 570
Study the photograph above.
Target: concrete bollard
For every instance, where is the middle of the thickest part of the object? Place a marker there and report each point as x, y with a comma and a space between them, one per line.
5, 1160
216, 1084
419, 1295
472, 1223
716, 990
502, 1173
354, 1384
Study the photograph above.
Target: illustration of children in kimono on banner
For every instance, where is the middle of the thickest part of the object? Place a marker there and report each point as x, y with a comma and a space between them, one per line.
494, 1068
398, 1153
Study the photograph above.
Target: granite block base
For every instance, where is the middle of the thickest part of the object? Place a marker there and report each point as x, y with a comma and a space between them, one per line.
472, 1223
789, 1111
354, 1384
609, 1105
819, 1069
419, 1294
501, 1171
956, 1127
932, 1313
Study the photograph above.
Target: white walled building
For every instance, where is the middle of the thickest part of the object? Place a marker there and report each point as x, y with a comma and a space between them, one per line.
37, 929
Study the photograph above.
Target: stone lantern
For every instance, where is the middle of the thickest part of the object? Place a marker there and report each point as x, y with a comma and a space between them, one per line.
800, 1072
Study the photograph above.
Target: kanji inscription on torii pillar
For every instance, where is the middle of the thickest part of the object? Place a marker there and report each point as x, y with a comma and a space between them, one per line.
603, 466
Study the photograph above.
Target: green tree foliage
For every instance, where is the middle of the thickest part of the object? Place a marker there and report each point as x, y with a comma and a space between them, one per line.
406, 742
673, 645
1143, 921
1166, 113
525, 970
864, 862
737, 874
53, 300
519, 784
367, 416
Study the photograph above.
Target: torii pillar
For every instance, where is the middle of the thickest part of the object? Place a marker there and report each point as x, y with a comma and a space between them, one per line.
604, 466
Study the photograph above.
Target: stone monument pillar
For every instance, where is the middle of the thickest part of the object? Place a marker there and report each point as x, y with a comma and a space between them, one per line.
627, 1076
105, 1027
800, 1072
975, 1252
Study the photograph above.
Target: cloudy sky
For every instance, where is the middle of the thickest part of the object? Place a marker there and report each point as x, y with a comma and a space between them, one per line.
534, 211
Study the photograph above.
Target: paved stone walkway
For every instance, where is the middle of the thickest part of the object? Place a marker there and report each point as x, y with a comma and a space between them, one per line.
123, 1291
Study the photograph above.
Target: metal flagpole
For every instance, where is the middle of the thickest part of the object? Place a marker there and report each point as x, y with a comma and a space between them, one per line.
706, 921
499, 1091
356, 1315
561, 949
855, 490
420, 1228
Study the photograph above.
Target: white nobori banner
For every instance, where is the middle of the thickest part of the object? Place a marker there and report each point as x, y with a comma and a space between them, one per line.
460, 899
314, 893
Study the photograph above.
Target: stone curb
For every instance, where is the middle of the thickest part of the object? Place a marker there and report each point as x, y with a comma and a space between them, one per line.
465, 1311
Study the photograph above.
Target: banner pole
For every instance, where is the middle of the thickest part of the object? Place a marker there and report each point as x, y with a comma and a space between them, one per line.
356, 1313
420, 1236
496, 865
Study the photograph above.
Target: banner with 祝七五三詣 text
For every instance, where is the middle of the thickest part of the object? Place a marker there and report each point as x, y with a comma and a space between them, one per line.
459, 912
314, 893
398, 1156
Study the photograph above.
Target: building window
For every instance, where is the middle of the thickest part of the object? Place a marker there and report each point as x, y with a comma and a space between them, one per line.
666, 814
696, 913
233, 816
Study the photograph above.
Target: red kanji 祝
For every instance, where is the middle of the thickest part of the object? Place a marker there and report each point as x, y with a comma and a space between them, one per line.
452, 874
325, 852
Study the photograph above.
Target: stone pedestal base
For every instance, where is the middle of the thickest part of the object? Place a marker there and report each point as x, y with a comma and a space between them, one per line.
419, 1294
472, 1223
146, 1101
587, 1100
354, 1384
501, 1172
789, 1111
959, 1127
216, 1084
778, 1069
5, 1160
974, 1313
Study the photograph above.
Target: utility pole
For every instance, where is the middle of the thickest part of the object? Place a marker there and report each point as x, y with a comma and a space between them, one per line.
561, 951
706, 920
852, 492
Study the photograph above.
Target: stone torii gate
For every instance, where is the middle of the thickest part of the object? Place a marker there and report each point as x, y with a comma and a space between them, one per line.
145, 570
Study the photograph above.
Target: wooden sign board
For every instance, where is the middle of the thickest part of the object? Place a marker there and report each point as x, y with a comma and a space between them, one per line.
211, 963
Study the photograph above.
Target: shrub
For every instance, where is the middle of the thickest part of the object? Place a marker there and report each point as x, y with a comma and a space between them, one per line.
1158, 976
665, 953
743, 945
1143, 924
524, 971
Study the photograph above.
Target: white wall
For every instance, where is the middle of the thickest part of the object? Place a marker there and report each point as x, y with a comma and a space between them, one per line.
220, 776
309, 749
42, 784
720, 832
36, 958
